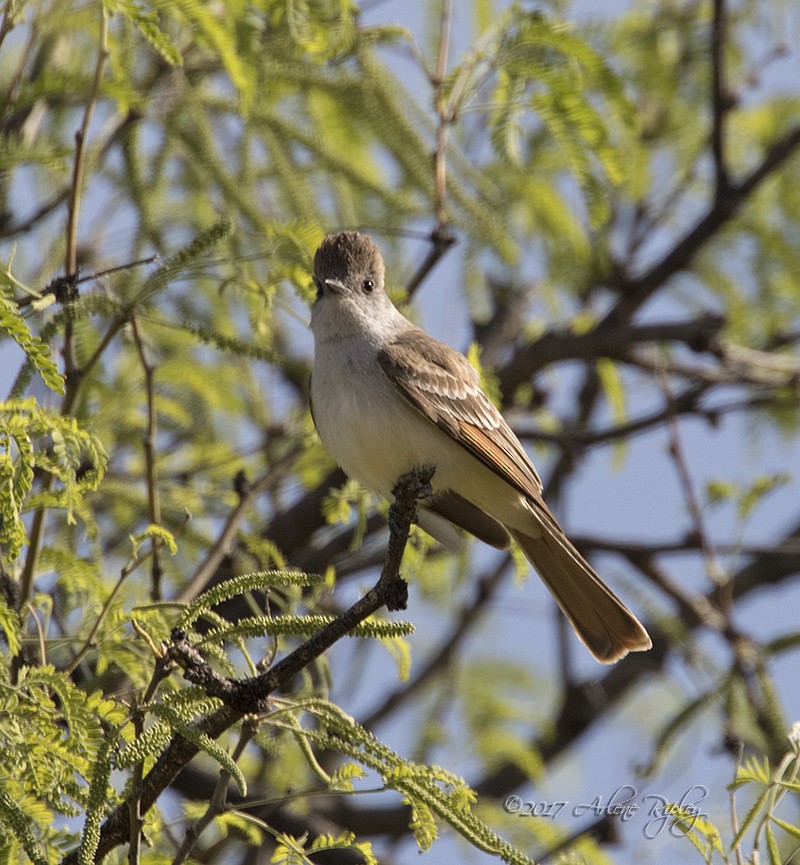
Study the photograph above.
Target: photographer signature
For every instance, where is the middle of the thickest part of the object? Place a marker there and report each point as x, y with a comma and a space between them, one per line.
681, 816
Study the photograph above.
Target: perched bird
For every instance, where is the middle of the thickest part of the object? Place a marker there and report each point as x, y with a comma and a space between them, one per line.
387, 397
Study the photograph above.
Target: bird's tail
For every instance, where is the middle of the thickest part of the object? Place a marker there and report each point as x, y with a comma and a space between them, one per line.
603, 623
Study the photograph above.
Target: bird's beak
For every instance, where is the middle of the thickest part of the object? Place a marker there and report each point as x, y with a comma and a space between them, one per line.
335, 285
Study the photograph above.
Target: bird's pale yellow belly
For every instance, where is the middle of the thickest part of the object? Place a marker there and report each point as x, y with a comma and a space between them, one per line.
376, 437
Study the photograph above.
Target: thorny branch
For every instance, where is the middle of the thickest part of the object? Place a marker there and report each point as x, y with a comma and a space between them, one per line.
251, 696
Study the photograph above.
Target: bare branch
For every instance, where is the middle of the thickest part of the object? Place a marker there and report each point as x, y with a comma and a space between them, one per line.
700, 334
438, 661
715, 571
223, 545
635, 292
442, 237
148, 442
79, 166
720, 100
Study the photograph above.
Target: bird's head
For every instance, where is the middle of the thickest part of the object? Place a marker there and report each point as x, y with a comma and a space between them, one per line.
349, 278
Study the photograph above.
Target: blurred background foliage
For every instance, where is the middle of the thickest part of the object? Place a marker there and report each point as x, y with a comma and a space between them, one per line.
604, 209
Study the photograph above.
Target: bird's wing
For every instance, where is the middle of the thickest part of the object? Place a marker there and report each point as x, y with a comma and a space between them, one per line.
442, 384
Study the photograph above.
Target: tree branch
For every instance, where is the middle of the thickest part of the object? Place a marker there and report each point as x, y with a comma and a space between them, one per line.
249, 696
439, 660
585, 703
634, 293
149, 445
720, 101
699, 334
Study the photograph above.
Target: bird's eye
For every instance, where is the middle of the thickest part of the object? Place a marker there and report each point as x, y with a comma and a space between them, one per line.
369, 285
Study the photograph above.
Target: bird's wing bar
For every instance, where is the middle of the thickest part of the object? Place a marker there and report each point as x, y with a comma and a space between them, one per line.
442, 384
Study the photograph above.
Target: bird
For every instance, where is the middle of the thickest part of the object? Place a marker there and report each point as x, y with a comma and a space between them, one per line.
387, 397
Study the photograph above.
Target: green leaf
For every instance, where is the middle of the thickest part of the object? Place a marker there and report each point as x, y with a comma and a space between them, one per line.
304, 626
154, 531
19, 823
789, 828
98, 801
10, 626
752, 814
203, 742
75, 459
146, 22
759, 489
239, 585
37, 352
772, 846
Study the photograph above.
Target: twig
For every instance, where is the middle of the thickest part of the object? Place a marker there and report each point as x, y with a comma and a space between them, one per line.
40, 632
445, 116
736, 368
720, 102
685, 403
466, 618
8, 23
448, 109
634, 292
217, 803
148, 441
570, 438
64, 287
58, 198
251, 695
78, 171
70, 366
116, 325
700, 334
732, 800
636, 551
588, 395
699, 606
89, 643
106, 271
79, 166
222, 547
34, 543
441, 237
715, 570
786, 366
